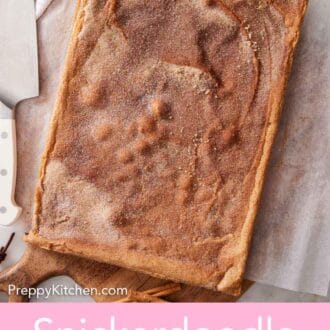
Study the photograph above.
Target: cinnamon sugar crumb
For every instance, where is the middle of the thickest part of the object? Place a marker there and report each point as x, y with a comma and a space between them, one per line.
142, 146
159, 109
147, 124
125, 156
229, 135
103, 132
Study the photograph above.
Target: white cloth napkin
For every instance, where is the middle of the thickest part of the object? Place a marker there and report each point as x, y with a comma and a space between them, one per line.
41, 6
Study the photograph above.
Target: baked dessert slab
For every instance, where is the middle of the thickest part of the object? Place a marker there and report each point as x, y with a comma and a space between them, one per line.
161, 134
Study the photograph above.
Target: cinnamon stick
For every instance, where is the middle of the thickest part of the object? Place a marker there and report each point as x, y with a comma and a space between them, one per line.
164, 290
3, 249
136, 296
152, 295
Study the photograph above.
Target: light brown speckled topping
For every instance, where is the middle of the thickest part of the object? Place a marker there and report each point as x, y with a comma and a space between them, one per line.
166, 114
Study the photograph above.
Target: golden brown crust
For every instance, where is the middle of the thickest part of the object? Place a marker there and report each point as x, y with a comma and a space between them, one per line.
190, 221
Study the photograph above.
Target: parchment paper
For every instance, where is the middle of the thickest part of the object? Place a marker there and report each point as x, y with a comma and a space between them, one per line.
291, 247
41, 6
291, 242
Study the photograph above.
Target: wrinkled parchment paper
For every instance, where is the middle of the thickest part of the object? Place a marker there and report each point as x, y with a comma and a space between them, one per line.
291, 242
41, 6
291, 246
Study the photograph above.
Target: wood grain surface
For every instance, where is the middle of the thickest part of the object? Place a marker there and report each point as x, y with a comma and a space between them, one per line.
38, 265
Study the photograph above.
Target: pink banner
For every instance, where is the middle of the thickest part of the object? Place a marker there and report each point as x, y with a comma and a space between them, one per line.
165, 317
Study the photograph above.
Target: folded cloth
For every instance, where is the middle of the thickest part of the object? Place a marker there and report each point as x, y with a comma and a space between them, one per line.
41, 6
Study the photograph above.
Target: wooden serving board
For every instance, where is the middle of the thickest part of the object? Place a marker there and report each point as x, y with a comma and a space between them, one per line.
38, 265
